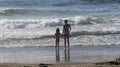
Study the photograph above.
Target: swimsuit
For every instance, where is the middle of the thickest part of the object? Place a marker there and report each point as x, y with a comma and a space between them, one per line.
57, 36
66, 31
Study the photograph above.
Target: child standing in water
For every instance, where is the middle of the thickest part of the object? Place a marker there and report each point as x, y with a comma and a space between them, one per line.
57, 36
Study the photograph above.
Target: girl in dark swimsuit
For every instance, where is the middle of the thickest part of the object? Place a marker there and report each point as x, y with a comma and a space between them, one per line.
66, 30
57, 36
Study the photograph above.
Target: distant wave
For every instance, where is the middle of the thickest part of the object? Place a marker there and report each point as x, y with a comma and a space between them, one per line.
23, 2
28, 11
20, 11
34, 12
56, 3
79, 2
67, 3
102, 1
36, 23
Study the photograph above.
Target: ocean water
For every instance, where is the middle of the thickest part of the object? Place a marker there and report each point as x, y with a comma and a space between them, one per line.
32, 23
25, 23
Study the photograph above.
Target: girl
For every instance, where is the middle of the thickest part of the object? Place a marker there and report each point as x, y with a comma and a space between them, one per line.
57, 36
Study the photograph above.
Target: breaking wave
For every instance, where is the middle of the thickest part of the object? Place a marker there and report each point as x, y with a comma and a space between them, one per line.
76, 39
37, 23
72, 34
94, 33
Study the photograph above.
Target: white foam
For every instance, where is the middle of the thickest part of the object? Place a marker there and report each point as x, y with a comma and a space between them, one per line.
36, 23
39, 32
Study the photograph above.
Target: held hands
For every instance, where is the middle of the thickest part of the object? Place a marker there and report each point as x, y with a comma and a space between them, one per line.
62, 33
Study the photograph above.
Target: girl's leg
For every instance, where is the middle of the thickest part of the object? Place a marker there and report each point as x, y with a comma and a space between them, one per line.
58, 52
68, 48
65, 48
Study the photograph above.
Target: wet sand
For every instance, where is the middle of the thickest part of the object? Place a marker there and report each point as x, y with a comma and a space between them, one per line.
114, 63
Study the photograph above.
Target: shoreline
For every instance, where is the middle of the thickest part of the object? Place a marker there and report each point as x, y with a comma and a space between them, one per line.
79, 54
114, 63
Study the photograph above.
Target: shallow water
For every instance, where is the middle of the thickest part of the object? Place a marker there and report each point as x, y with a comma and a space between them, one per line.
78, 54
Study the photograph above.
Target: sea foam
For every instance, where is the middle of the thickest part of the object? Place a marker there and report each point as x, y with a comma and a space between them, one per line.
36, 23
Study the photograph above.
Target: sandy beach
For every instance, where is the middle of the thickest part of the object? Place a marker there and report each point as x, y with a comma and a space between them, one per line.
56, 65
115, 63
